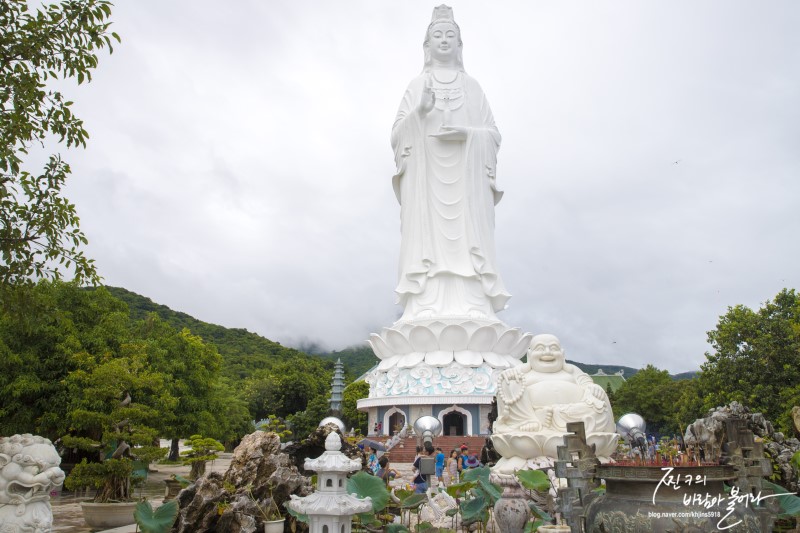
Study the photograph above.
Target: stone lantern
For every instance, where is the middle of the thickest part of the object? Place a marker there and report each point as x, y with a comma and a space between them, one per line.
330, 509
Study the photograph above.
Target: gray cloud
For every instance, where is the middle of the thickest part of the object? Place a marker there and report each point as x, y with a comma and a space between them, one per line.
239, 166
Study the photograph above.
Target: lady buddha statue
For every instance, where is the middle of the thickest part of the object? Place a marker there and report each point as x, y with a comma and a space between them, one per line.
445, 144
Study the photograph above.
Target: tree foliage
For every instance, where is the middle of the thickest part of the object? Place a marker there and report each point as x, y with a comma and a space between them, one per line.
39, 231
651, 393
192, 368
305, 422
61, 326
68, 362
243, 352
756, 359
352, 417
286, 387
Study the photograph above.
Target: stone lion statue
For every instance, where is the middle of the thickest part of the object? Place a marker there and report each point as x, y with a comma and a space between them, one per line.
29, 470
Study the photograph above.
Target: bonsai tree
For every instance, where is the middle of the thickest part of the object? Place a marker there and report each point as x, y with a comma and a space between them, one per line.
112, 475
111, 479
275, 425
111, 413
203, 449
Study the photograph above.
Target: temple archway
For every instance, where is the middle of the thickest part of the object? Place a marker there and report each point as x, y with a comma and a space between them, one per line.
456, 421
393, 419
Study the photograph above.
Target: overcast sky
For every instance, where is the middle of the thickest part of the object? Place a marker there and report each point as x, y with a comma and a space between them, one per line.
239, 166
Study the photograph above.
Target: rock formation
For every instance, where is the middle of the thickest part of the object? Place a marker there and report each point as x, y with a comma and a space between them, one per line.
223, 503
314, 445
709, 433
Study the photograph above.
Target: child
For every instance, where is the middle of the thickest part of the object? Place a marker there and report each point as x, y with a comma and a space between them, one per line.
440, 466
462, 459
452, 467
385, 473
372, 461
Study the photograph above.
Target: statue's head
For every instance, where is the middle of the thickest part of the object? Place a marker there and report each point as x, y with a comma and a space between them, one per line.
545, 353
443, 39
30, 455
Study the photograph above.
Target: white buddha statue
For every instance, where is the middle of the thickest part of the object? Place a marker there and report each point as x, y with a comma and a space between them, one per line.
536, 400
445, 144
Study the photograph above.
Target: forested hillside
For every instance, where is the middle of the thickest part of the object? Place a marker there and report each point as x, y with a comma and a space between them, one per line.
357, 360
242, 350
270, 378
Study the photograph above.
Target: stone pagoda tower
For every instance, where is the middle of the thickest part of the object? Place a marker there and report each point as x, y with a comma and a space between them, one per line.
330, 508
445, 354
337, 387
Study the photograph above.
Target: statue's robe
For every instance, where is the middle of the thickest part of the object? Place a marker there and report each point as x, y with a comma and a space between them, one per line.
447, 194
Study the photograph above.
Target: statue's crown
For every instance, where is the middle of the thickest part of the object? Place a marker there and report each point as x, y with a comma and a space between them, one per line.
442, 13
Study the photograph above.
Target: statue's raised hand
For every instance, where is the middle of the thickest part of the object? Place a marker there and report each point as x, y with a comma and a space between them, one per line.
428, 98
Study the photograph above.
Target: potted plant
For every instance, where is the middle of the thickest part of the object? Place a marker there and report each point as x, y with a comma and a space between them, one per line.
110, 436
268, 512
203, 450
113, 481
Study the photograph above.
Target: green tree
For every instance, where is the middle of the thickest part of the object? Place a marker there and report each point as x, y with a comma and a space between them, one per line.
39, 230
691, 403
612, 399
232, 418
756, 358
38, 350
203, 450
193, 370
305, 422
651, 393
114, 397
352, 417
286, 387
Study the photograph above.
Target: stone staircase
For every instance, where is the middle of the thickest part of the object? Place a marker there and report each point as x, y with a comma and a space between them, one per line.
406, 449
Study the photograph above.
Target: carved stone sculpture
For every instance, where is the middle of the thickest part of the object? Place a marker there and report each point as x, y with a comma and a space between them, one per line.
536, 401
29, 470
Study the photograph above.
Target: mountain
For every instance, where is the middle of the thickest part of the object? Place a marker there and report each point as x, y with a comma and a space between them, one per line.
356, 359
242, 350
245, 351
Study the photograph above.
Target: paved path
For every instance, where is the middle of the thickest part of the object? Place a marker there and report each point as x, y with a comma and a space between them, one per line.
67, 515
